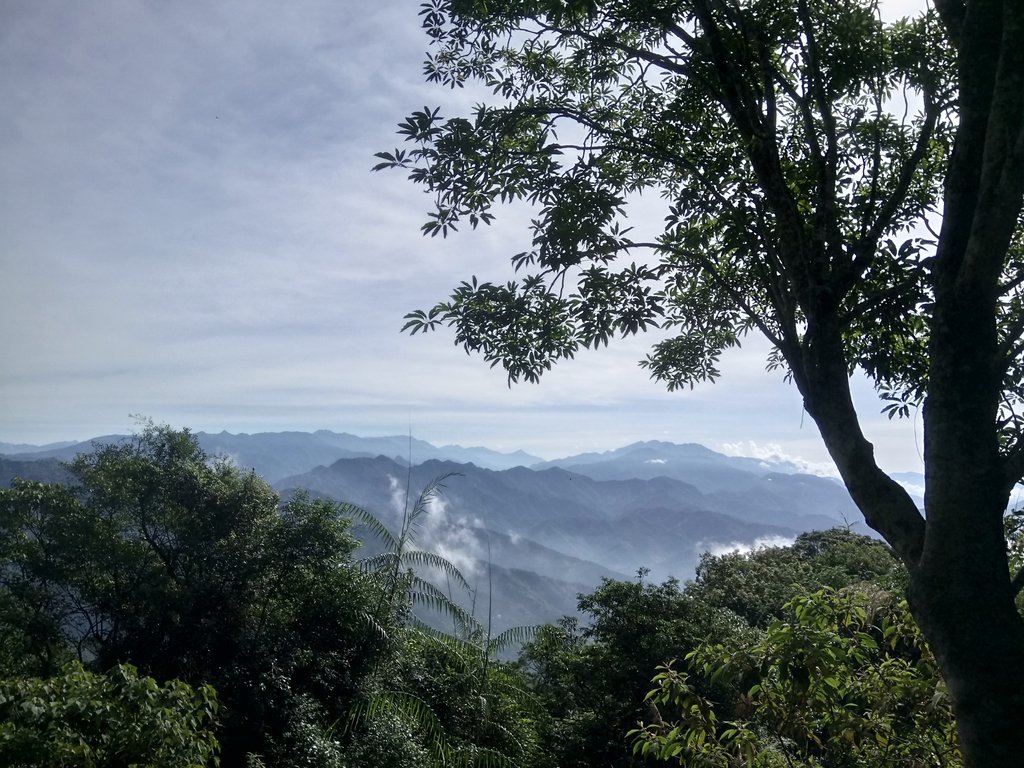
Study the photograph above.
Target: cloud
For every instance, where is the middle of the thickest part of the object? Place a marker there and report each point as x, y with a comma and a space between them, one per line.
764, 542
450, 536
772, 454
191, 231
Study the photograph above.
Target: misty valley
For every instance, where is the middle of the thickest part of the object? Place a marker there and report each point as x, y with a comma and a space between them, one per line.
542, 532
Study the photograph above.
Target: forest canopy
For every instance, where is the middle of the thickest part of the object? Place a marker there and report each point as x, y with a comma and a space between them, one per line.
163, 606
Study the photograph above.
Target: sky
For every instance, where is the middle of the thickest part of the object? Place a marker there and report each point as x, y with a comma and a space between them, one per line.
190, 233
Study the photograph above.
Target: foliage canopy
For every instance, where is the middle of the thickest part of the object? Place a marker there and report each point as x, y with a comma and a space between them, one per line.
78, 718
843, 681
190, 570
767, 130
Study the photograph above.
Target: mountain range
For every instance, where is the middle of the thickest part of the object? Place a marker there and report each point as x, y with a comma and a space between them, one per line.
538, 532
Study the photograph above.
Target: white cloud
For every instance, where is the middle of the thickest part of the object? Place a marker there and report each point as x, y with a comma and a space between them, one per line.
773, 454
764, 542
449, 536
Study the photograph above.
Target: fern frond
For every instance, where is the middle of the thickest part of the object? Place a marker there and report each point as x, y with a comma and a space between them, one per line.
403, 704
441, 604
483, 758
499, 728
371, 621
421, 508
462, 650
378, 562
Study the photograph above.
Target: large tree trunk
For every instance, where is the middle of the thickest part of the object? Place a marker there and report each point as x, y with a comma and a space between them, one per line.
968, 618
961, 593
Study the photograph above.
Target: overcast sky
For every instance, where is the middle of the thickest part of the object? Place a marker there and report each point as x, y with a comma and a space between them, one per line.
189, 231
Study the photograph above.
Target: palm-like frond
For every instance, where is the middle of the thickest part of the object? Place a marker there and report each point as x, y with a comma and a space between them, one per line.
481, 758
370, 521
497, 727
422, 592
406, 705
401, 563
457, 649
512, 636
400, 555
464, 623
380, 562
416, 710
378, 629
412, 520
422, 558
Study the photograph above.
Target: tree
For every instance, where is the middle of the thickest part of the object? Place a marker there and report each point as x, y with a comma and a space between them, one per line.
790, 189
845, 680
402, 588
591, 678
189, 569
459, 705
78, 718
757, 585
468, 708
591, 674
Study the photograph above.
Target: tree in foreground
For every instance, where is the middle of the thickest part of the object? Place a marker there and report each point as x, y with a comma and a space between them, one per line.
591, 674
845, 680
795, 146
191, 570
456, 703
78, 718
757, 585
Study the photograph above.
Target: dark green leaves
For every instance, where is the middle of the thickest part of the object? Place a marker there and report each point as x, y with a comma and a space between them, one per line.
528, 326
80, 718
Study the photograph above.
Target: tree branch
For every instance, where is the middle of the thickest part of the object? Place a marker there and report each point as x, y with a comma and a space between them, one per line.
1013, 467
952, 13
1017, 582
825, 386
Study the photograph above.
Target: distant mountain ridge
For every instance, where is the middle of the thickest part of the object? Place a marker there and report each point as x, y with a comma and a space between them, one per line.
274, 455
15, 448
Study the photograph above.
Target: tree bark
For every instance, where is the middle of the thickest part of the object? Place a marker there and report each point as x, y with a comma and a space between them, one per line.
960, 591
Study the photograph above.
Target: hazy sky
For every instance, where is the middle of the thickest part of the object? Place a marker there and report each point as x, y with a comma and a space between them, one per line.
189, 231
